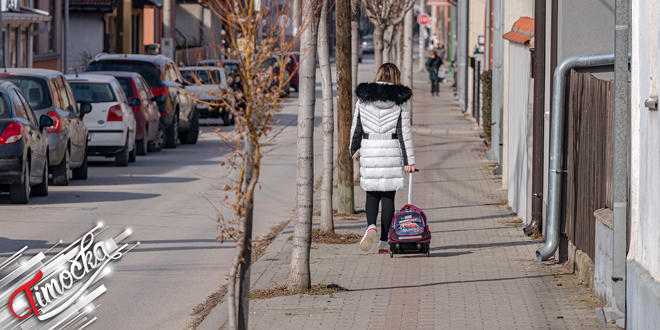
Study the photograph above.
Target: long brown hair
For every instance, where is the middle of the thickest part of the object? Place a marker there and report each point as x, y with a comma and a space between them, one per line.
389, 73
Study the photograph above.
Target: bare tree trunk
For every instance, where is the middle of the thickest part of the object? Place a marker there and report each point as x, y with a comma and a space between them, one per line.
231, 287
245, 266
299, 274
387, 43
327, 224
355, 40
402, 44
345, 186
378, 46
398, 50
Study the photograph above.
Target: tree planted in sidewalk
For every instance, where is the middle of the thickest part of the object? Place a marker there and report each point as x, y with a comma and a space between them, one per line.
254, 37
345, 181
299, 274
385, 15
327, 223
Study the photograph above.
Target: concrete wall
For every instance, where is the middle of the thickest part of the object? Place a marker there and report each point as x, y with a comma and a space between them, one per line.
520, 130
603, 256
88, 29
643, 271
513, 10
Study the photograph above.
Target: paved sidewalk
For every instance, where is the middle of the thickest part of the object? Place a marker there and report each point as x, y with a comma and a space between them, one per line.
482, 273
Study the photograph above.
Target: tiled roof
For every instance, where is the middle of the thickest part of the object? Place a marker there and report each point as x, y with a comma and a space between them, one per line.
522, 31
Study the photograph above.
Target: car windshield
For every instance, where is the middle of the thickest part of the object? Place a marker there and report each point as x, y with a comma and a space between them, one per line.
35, 90
4, 112
93, 92
126, 86
231, 68
297, 56
270, 63
368, 41
149, 71
206, 77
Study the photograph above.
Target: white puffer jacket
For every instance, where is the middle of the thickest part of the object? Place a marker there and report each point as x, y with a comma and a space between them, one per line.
381, 132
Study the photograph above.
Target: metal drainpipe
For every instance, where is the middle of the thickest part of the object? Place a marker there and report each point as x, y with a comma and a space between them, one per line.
557, 144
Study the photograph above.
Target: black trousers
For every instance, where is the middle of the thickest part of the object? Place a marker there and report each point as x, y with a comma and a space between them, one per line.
435, 86
386, 198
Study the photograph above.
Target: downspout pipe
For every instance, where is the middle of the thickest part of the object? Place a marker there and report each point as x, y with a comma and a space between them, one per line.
557, 144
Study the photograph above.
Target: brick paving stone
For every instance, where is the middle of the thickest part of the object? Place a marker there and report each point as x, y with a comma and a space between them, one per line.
482, 274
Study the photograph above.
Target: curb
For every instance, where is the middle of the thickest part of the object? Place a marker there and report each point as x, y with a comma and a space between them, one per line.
220, 315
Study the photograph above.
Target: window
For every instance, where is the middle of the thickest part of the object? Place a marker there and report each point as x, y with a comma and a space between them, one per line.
146, 88
18, 105
57, 101
34, 88
63, 94
4, 112
69, 92
148, 70
119, 91
28, 109
126, 86
93, 92
23, 44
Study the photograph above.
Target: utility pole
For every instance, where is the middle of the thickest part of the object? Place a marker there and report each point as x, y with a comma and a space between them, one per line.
496, 115
422, 37
296, 17
539, 112
407, 54
65, 53
345, 187
620, 221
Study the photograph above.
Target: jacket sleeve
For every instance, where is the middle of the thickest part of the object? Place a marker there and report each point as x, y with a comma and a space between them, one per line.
404, 133
356, 131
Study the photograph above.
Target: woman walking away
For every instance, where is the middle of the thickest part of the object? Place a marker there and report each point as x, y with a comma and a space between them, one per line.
432, 65
381, 140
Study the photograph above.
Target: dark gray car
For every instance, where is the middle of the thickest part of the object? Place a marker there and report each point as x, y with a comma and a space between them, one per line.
49, 94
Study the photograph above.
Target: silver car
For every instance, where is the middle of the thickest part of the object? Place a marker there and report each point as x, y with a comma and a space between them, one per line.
50, 94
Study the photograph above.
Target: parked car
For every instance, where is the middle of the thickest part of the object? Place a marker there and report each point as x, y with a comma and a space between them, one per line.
273, 65
111, 122
23, 147
177, 110
368, 44
207, 84
48, 93
292, 65
149, 132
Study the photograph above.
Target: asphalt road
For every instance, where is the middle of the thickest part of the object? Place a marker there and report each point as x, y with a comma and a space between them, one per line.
168, 200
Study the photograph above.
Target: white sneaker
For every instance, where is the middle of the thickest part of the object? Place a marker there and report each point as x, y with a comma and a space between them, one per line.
369, 235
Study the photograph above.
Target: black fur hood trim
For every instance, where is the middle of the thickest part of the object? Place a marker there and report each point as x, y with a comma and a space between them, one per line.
372, 92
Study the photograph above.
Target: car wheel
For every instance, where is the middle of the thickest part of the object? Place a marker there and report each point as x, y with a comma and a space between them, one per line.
226, 118
20, 193
121, 159
80, 173
172, 132
61, 171
295, 88
42, 189
141, 145
132, 155
190, 136
157, 144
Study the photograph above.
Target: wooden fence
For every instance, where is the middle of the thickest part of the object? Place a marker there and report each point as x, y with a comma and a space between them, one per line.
589, 156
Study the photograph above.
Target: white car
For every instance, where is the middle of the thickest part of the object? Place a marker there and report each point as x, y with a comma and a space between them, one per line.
207, 83
111, 122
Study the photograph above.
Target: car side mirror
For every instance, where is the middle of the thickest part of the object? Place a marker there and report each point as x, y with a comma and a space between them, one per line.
85, 108
45, 121
136, 102
160, 99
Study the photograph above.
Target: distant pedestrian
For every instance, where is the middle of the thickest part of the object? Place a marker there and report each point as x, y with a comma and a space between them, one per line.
381, 140
441, 52
433, 65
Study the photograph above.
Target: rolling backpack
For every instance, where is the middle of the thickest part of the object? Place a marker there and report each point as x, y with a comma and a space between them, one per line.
409, 232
